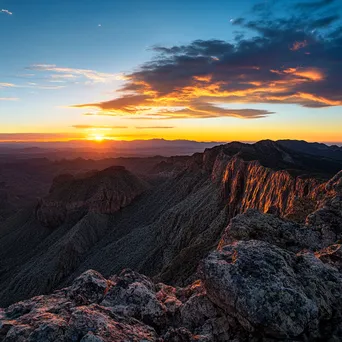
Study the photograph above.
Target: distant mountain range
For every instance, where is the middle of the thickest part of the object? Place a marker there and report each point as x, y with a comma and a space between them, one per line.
317, 149
104, 149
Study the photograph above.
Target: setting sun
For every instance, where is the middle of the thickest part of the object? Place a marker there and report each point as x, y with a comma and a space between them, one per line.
96, 137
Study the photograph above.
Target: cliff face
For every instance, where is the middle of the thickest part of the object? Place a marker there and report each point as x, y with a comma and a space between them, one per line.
267, 177
104, 192
248, 185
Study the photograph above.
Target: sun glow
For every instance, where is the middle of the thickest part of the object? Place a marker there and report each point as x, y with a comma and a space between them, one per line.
96, 137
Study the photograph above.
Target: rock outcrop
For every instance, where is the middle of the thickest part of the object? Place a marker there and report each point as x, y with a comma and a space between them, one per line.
273, 292
104, 192
248, 291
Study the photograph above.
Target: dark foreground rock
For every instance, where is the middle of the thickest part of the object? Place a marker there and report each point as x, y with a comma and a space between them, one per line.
248, 291
273, 292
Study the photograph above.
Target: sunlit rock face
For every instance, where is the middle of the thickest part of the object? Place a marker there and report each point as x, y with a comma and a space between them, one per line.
103, 192
251, 185
268, 177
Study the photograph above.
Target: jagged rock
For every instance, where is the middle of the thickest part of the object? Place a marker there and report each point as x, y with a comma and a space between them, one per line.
45, 318
178, 335
197, 310
334, 185
327, 220
105, 191
134, 295
108, 326
249, 184
167, 295
331, 255
90, 337
253, 225
272, 292
89, 287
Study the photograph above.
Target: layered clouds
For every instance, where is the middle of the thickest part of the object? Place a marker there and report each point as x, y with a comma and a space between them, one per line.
294, 59
5, 11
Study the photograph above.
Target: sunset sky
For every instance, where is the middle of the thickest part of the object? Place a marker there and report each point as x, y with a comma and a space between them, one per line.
213, 70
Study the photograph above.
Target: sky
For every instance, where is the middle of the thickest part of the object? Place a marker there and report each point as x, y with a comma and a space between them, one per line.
213, 70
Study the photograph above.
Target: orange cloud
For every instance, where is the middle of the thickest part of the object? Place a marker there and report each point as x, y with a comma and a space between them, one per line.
185, 81
91, 127
313, 74
298, 45
205, 78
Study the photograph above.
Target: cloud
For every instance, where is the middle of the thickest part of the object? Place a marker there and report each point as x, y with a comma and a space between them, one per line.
98, 114
7, 85
98, 127
71, 73
5, 11
288, 60
37, 137
154, 127
30, 85
299, 45
314, 5
9, 98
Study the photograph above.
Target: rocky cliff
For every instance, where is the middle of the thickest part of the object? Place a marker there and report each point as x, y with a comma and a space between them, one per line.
104, 192
268, 177
269, 279
166, 230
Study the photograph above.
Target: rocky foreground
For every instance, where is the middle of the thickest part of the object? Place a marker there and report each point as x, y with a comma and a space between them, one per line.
268, 280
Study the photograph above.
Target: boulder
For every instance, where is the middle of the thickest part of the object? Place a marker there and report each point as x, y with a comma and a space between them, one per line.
134, 295
270, 291
89, 287
253, 225
331, 255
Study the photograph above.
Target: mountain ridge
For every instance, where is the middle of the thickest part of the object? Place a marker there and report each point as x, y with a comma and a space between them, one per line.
180, 217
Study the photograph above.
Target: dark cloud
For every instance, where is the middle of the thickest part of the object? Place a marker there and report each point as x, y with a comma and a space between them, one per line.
197, 48
314, 5
325, 22
295, 60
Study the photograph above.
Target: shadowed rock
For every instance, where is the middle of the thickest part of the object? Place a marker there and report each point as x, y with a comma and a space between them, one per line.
273, 292
103, 192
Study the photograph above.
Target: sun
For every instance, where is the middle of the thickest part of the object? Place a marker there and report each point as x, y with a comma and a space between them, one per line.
98, 137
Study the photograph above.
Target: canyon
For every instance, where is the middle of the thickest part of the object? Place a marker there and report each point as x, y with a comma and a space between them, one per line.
246, 237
